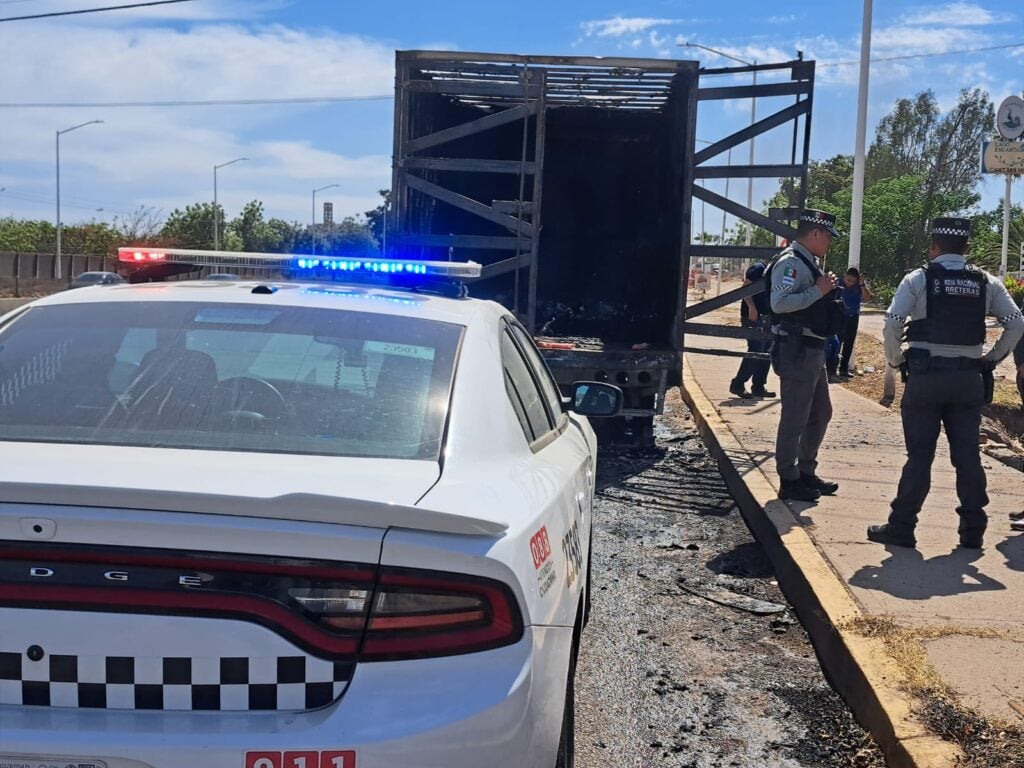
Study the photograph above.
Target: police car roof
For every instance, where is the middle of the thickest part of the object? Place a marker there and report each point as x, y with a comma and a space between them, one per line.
354, 297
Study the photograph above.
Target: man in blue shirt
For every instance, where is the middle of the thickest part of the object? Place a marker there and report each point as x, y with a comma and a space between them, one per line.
754, 311
854, 291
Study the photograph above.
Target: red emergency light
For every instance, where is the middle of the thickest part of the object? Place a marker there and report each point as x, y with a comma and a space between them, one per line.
136, 255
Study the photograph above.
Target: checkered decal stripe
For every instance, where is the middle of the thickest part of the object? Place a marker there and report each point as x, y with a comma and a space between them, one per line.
951, 231
174, 683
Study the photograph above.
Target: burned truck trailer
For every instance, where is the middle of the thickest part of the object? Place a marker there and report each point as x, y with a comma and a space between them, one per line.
571, 180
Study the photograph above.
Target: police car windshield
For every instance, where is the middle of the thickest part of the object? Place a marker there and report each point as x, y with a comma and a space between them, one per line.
227, 377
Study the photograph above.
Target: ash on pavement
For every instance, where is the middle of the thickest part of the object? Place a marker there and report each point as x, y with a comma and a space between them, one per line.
669, 677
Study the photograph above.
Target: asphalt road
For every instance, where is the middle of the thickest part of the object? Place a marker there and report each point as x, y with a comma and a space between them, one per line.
669, 675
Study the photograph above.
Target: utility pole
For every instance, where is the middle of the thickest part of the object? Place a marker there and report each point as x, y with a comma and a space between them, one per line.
857, 213
216, 210
57, 266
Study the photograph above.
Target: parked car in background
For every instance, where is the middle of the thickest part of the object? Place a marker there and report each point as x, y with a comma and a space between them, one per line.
87, 279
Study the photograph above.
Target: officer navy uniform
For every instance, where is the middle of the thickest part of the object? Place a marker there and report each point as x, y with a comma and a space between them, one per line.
801, 319
948, 380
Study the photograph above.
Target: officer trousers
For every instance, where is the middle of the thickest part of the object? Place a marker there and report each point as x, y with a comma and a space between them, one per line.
952, 399
806, 411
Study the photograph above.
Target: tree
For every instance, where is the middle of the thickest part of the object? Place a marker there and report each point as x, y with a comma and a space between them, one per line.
987, 240
141, 227
915, 139
893, 210
348, 237
250, 227
903, 139
376, 220
825, 179
193, 227
27, 235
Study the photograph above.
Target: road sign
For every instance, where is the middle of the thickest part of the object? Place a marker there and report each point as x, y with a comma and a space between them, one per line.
1002, 157
1010, 118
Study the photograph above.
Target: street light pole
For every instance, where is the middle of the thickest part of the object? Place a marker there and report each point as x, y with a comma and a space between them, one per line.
56, 267
312, 226
753, 119
857, 209
216, 210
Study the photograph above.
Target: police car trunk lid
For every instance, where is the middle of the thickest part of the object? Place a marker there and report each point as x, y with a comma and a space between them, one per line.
184, 580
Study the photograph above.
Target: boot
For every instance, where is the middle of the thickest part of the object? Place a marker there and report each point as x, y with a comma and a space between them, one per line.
884, 534
797, 490
824, 487
738, 388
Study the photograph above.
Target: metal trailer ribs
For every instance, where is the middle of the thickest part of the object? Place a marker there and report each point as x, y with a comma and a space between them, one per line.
572, 179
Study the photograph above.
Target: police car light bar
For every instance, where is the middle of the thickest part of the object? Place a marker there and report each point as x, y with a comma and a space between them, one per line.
308, 265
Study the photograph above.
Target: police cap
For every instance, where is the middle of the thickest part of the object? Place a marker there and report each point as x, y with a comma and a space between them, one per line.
823, 219
950, 226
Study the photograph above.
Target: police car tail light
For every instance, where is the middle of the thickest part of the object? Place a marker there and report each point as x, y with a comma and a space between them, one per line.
415, 614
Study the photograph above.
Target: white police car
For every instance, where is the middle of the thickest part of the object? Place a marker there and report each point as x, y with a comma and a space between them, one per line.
276, 524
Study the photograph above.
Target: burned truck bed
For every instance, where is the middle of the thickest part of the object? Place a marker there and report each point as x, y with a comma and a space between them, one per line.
565, 178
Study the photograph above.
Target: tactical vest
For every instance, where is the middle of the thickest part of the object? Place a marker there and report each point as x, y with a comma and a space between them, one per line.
825, 316
955, 307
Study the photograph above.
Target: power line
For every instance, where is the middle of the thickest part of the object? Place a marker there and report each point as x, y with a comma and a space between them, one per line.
924, 55
30, 198
94, 10
189, 103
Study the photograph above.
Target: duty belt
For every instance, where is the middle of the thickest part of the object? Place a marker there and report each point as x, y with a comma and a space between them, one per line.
954, 364
920, 361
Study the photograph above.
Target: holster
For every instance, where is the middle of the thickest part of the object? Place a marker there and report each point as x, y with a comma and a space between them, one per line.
988, 379
788, 349
916, 361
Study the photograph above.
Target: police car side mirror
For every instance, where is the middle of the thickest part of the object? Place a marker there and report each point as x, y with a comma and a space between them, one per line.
596, 399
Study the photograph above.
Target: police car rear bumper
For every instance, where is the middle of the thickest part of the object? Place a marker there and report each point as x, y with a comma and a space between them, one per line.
496, 708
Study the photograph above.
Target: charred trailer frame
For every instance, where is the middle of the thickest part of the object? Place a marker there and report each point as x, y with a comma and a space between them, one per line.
572, 180
564, 176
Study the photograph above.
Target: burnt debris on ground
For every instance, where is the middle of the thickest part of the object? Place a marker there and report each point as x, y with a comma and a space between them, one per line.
693, 657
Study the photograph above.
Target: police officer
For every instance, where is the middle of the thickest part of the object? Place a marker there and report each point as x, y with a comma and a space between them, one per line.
754, 313
805, 313
948, 376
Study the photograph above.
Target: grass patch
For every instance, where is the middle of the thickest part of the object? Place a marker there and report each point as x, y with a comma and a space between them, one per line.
986, 743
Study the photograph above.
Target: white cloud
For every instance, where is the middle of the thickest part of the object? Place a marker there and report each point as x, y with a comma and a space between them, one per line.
58, 62
902, 39
958, 14
165, 156
620, 26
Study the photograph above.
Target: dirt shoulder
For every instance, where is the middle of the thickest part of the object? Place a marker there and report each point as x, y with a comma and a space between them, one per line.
1002, 421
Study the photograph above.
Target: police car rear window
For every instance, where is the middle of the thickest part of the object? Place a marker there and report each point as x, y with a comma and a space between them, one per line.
227, 377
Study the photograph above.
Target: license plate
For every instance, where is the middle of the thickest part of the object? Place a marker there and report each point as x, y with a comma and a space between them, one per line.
34, 761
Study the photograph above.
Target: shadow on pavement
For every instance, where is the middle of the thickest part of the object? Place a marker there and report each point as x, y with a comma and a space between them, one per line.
1013, 550
906, 574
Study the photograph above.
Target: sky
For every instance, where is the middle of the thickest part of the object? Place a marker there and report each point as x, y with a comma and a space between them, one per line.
163, 157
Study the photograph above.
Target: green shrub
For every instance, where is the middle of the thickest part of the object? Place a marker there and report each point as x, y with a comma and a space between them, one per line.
1016, 289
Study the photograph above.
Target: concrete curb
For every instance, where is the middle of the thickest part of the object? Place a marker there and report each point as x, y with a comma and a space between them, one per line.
858, 667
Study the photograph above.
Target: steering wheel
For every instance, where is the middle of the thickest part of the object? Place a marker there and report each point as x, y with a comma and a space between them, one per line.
250, 398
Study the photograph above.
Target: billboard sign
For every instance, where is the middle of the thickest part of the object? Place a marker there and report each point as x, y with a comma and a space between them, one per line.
1002, 157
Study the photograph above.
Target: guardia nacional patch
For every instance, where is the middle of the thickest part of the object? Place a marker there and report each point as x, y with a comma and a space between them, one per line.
789, 276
